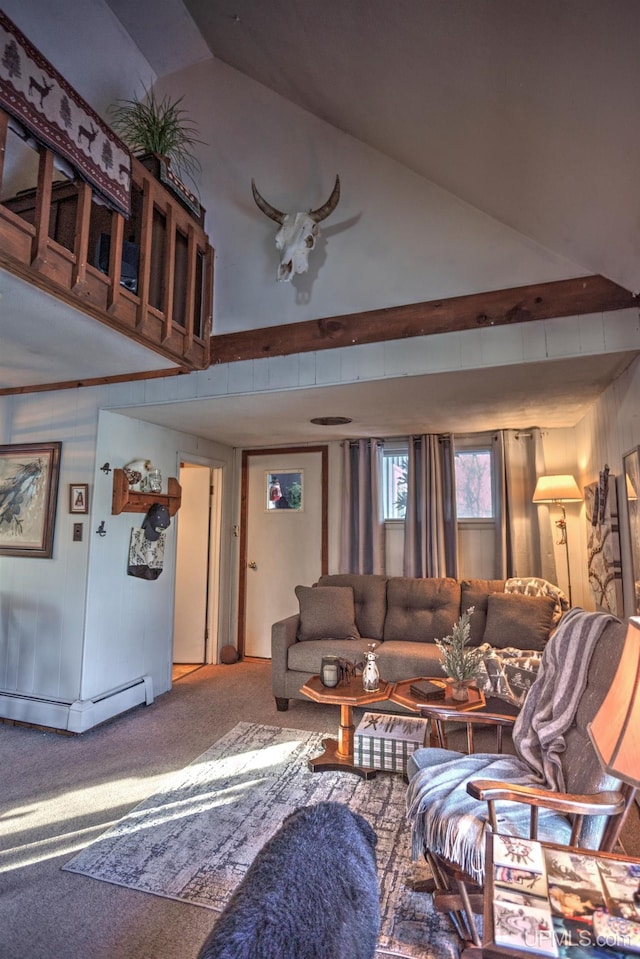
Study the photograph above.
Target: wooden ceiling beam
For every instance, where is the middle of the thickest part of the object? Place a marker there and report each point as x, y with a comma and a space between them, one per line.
540, 301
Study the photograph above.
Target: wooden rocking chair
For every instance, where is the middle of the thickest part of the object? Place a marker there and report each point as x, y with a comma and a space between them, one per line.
589, 813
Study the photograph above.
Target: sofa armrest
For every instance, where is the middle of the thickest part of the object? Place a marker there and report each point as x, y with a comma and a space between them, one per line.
284, 634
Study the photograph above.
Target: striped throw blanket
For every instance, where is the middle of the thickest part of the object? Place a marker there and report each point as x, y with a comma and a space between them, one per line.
447, 820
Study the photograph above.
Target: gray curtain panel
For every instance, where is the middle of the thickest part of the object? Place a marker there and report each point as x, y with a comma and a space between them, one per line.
430, 533
524, 541
362, 533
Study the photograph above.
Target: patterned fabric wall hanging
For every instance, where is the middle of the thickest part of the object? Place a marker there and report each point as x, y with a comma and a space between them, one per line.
34, 93
603, 543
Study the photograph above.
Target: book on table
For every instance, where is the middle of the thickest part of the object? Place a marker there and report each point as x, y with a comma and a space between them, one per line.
428, 691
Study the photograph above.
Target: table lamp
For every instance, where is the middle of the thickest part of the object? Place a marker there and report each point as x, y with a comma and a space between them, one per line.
615, 730
559, 490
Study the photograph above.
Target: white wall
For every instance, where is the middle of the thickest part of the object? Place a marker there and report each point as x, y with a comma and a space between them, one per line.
394, 237
129, 625
604, 435
609, 430
75, 626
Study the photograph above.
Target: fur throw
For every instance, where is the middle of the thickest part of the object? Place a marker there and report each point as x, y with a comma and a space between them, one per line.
310, 893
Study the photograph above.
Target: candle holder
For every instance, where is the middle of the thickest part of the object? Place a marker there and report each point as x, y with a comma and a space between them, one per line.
330, 671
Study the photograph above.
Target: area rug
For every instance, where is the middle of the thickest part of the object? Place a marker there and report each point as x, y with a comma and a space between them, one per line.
194, 840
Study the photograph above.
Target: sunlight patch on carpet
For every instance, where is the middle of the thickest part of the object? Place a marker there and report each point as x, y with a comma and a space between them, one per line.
194, 840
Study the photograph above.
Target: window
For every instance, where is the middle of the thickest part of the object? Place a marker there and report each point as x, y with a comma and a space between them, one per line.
474, 484
394, 482
473, 478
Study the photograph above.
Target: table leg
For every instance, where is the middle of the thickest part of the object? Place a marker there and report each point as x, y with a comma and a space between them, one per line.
338, 754
346, 731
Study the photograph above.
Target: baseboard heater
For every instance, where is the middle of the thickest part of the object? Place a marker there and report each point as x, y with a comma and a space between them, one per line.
78, 716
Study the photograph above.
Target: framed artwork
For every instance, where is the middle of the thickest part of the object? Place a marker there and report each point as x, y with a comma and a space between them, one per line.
28, 497
284, 490
631, 461
78, 497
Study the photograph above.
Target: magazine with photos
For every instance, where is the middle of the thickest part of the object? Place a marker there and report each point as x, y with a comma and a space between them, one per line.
566, 903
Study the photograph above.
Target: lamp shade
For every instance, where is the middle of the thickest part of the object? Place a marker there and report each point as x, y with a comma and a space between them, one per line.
615, 730
556, 489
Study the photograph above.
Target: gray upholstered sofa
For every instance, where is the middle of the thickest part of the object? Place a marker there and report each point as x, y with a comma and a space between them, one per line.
342, 614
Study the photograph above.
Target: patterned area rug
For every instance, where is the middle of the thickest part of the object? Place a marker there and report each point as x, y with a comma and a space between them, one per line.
195, 840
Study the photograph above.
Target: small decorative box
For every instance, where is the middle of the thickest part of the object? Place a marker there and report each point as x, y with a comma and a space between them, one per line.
386, 742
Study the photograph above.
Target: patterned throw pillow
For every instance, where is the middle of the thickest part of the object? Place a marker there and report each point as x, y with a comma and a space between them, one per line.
508, 673
534, 586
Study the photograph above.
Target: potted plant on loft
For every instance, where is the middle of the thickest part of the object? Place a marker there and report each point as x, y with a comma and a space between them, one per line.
458, 661
161, 135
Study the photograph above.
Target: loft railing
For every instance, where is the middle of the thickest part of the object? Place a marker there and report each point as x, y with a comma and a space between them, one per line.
149, 276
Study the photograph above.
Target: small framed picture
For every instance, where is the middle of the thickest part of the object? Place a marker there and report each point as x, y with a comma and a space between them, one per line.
284, 490
79, 498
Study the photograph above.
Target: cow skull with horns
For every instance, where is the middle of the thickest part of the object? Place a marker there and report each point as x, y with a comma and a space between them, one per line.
298, 231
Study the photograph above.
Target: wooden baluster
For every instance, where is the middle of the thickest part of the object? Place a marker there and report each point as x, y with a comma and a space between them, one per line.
4, 129
146, 239
190, 295
42, 209
169, 275
115, 261
81, 237
207, 305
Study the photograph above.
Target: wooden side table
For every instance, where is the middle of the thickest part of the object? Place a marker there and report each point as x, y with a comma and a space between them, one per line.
435, 710
338, 754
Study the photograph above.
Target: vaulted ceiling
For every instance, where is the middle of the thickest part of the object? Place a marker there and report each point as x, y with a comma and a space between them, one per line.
524, 109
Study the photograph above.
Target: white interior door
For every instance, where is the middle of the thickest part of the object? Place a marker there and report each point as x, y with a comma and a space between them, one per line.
192, 566
284, 545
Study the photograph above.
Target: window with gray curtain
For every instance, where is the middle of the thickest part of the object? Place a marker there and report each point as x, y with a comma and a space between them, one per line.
362, 532
430, 530
524, 545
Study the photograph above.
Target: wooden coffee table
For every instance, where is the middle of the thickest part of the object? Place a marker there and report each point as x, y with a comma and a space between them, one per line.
435, 710
338, 754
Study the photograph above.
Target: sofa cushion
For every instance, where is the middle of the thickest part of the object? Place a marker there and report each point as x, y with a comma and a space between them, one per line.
401, 659
475, 592
421, 610
534, 586
523, 622
307, 657
326, 613
369, 598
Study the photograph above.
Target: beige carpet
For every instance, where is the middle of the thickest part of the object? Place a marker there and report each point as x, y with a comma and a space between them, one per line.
194, 840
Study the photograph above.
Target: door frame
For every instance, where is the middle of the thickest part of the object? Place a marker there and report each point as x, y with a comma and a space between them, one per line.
244, 516
214, 611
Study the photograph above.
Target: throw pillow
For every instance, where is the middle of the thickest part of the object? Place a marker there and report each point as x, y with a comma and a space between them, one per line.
517, 620
508, 674
534, 586
326, 612
475, 592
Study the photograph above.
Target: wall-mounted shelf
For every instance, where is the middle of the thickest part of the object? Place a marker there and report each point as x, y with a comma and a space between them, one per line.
127, 501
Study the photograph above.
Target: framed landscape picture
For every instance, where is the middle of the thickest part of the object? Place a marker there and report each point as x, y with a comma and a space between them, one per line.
631, 461
28, 497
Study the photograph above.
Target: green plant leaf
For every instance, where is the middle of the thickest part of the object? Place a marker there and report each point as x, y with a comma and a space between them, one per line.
159, 126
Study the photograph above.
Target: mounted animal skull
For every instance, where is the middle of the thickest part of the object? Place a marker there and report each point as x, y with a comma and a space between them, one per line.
298, 231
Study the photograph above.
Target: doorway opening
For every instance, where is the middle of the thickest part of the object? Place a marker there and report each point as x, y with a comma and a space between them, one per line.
197, 583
